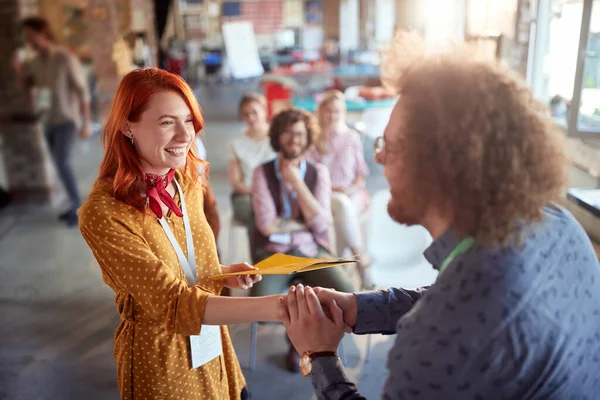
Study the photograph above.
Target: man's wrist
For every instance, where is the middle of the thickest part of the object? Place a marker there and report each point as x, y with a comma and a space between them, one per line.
353, 310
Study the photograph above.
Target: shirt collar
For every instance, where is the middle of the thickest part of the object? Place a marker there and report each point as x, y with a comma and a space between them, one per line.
441, 248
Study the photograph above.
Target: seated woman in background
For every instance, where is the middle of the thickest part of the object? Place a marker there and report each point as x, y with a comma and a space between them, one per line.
339, 148
145, 224
247, 152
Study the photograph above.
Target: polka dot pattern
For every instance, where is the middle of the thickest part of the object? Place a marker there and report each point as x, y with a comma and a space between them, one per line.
158, 308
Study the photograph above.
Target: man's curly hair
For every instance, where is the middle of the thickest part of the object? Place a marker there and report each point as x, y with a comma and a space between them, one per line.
288, 117
475, 139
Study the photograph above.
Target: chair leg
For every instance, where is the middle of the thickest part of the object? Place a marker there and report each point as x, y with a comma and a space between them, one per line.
253, 344
342, 351
368, 354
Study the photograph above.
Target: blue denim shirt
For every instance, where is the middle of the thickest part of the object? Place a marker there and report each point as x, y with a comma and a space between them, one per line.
520, 322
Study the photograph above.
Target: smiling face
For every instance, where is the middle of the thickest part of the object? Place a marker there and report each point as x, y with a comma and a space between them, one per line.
37, 40
254, 115
405, 205
293, 141
333, 113
164, 133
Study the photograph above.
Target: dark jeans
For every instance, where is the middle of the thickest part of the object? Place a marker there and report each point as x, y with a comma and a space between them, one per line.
245, 394
242, 208
60, 140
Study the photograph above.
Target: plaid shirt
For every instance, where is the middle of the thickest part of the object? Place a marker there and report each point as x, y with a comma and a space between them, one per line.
345, 161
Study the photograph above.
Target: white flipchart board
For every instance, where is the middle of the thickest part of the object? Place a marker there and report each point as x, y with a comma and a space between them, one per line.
242, 50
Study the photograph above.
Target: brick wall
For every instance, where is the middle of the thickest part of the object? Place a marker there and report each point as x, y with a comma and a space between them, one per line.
331, 18
265, 15
104, 30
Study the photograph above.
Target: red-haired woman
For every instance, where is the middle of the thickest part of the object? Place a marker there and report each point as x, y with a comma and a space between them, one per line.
145, 224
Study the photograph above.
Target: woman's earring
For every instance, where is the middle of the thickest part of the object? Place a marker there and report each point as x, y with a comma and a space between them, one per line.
131, 139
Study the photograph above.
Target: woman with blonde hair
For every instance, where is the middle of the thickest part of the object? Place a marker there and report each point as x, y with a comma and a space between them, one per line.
145, 224
246, 152
339, 148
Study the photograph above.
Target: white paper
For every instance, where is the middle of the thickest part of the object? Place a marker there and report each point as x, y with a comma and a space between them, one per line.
281, 238
207, 346
213, 9
242, 50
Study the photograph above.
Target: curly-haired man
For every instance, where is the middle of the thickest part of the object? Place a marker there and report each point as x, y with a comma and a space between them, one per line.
514, 314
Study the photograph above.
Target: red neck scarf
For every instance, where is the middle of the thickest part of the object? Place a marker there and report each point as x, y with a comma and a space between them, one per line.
156, 191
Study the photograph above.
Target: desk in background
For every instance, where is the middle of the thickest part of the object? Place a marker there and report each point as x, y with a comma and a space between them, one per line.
588, 200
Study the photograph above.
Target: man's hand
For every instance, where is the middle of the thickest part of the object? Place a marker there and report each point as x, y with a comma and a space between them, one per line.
241, 281
85, 132
290, 173
345, 301
308, 328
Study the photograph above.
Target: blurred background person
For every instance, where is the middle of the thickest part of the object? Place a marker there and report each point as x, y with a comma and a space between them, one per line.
247, 152
56, 70
291, 202
340, 149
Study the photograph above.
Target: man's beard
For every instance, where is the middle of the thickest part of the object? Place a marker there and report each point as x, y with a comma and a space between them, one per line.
407, 208
290, 155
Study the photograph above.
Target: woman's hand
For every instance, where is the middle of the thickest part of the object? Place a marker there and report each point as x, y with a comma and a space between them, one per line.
241, 281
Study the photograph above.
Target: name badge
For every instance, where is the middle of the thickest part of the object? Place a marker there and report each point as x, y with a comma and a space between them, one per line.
206, 346
281, 238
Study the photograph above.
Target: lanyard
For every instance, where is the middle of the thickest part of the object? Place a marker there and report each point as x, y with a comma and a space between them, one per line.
287, 207
187, 264
462, 247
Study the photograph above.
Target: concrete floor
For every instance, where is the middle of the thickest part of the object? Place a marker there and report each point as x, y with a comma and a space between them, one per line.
58, 318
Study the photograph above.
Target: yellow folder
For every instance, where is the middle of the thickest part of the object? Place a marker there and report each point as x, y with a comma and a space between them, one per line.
282, 264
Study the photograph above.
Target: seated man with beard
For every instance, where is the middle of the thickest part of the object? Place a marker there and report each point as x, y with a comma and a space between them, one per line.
291, 199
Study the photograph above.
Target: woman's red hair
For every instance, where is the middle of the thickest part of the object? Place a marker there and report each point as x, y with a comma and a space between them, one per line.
121, 164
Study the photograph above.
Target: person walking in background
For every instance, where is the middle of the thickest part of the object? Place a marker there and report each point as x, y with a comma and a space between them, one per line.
57, 70
145, 225
340, 149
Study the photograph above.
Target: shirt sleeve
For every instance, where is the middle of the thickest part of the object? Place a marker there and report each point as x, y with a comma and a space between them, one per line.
33, 73
128, 263
361, 164
77, 77
321, 221
312, 155
263, 204
231, 153
329, 380
380, 310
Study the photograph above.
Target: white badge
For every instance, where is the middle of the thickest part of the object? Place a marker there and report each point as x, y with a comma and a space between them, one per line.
206, 346
281, 238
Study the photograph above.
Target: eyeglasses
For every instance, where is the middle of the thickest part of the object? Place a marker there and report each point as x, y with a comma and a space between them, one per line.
379, 145
292, 134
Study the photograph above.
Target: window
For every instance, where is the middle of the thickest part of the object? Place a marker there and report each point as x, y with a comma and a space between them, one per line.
564, 62
584, 119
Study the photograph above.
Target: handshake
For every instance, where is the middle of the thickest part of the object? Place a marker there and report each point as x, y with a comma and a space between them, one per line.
316, 318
